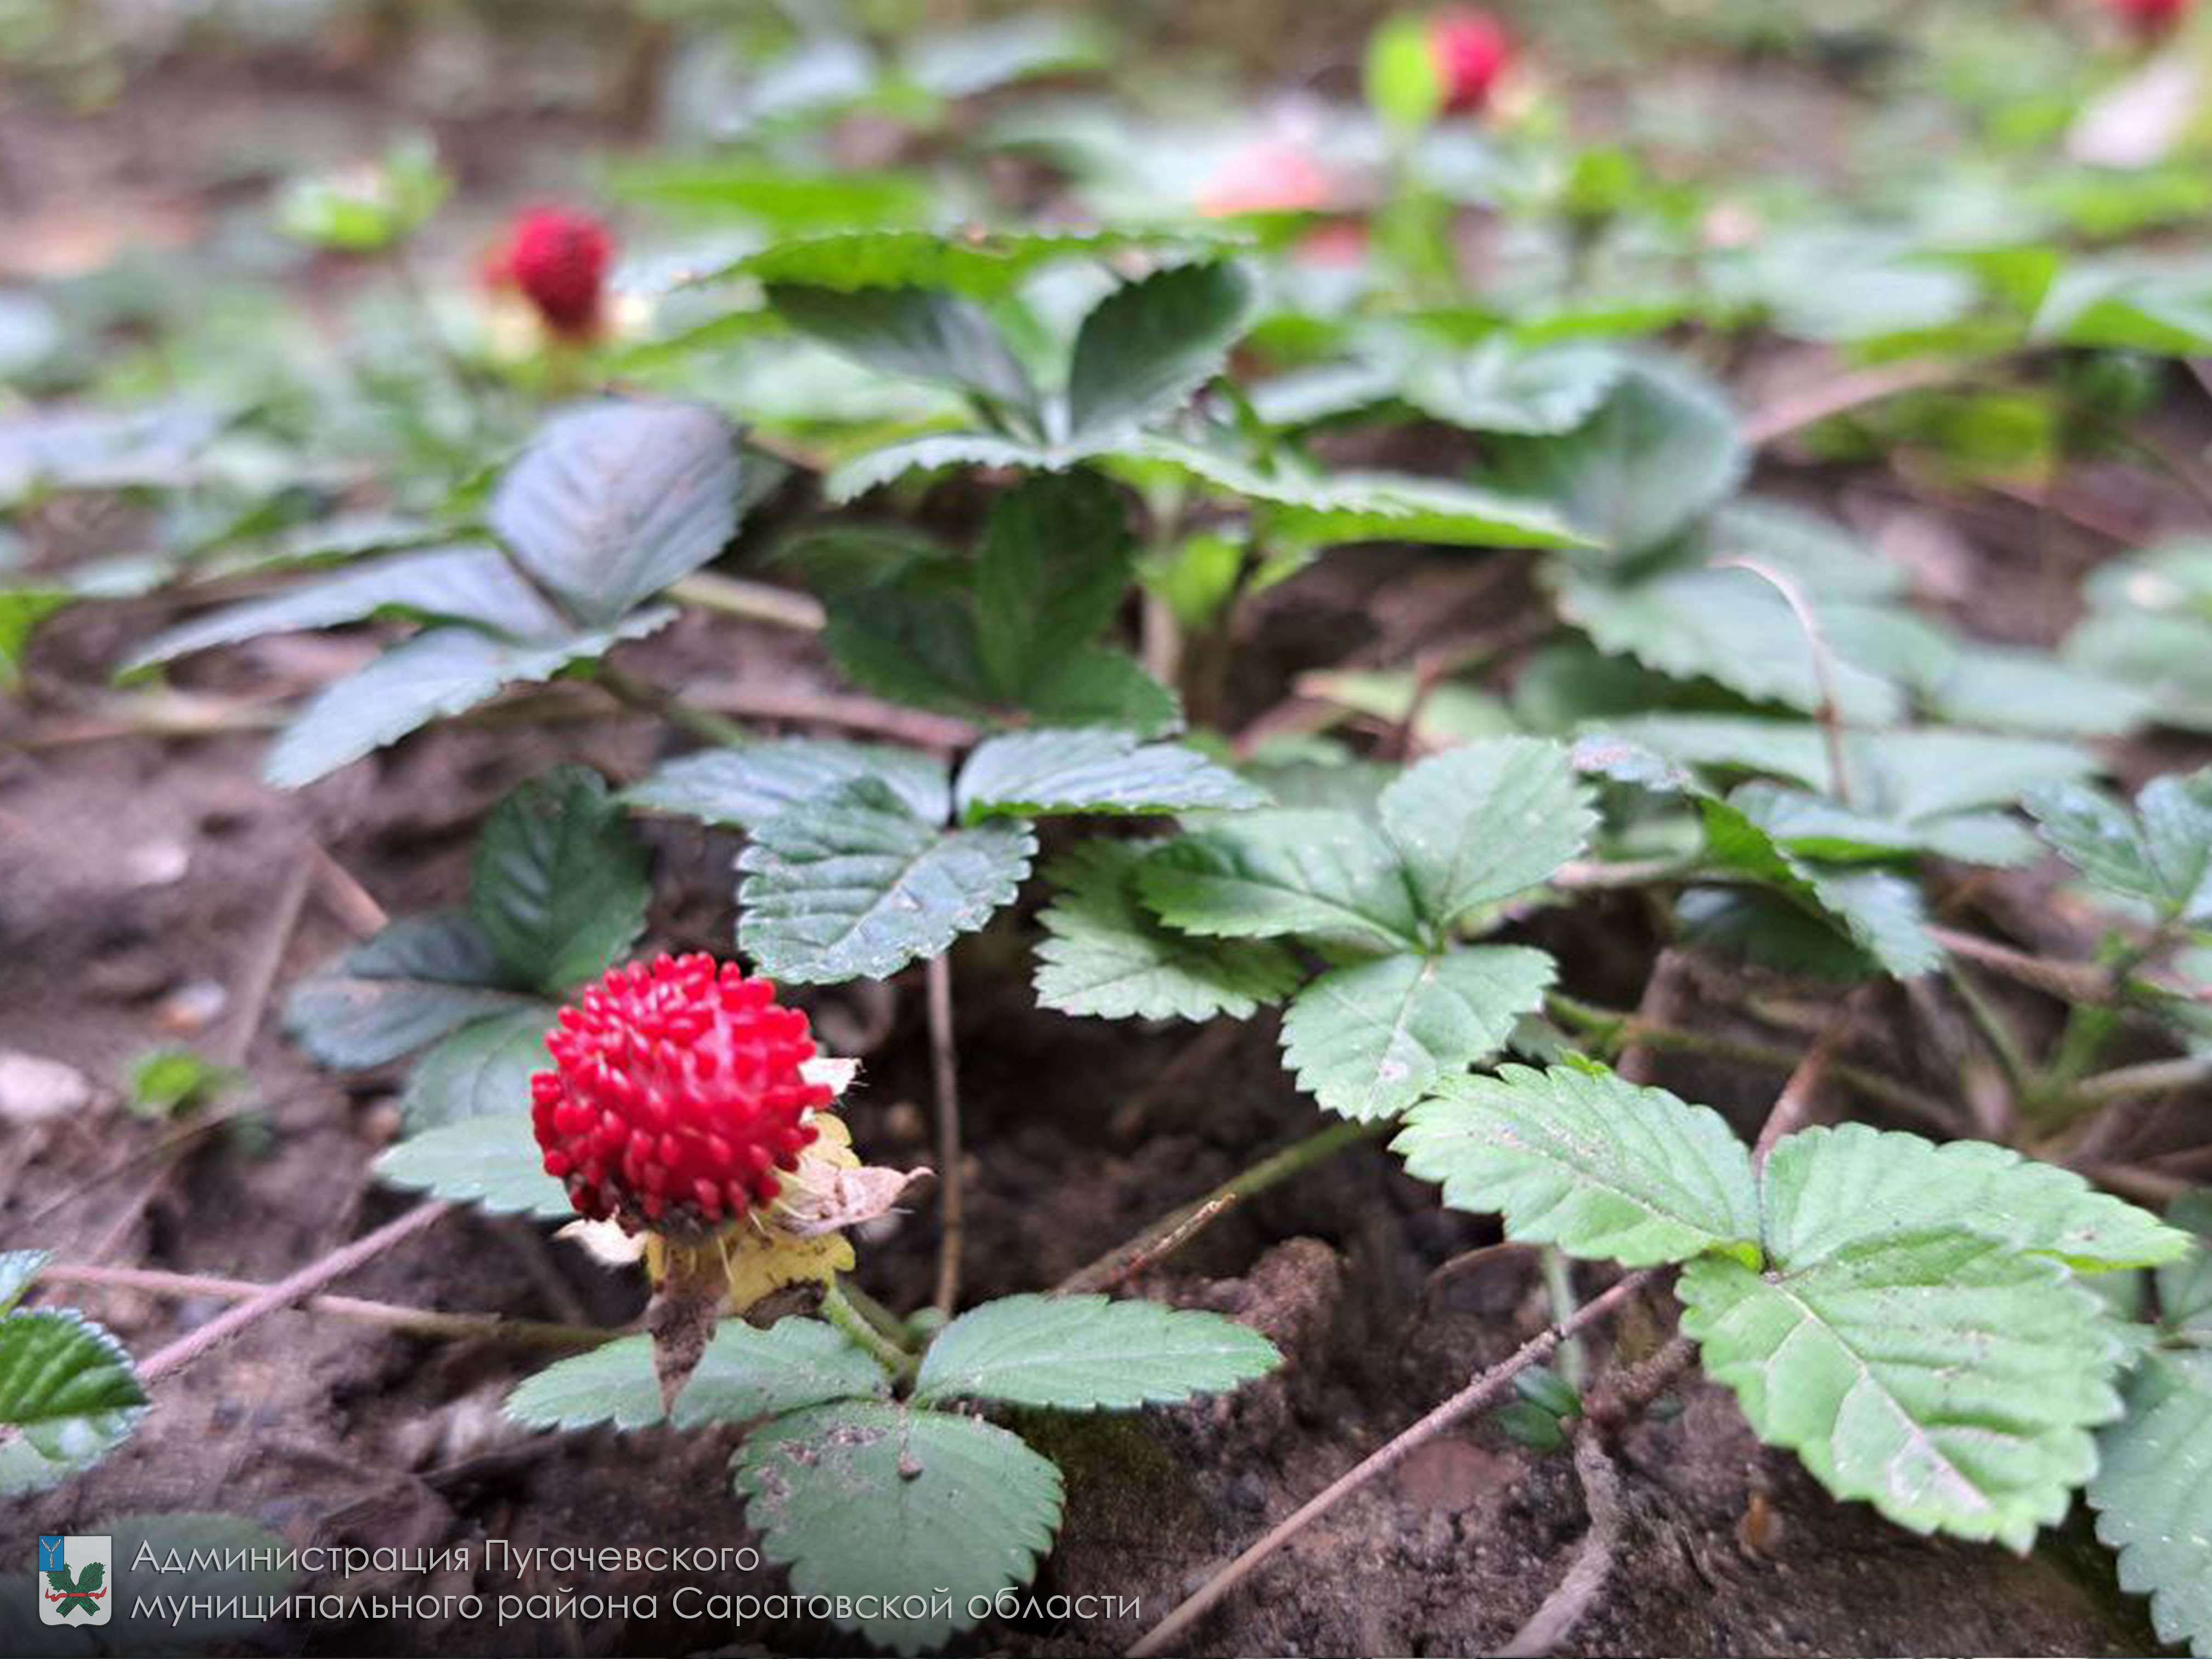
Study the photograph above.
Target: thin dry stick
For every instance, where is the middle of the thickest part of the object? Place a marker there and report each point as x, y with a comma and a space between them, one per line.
391, 1316
1838, 397
2070, 981
1563, 1609
1829, 714
944, 1073
292, 1288
1486, 1386
1796, 1100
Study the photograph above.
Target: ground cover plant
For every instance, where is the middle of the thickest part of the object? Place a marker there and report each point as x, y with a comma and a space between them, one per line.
1031, 839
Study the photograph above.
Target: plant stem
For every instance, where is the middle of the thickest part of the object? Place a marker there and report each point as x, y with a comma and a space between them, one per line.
944, 1073
1559, 1291
1171, 1229
668, 707
391, 1316
730, 596
2071, 982
894, 1358
294, 1287
2150, 1077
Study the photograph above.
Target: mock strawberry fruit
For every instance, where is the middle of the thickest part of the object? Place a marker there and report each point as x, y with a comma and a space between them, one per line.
676, 1099
559, 260
1472, 50
2149, 18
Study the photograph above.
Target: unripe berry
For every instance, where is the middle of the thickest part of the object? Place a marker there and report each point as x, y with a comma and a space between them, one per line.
559, 259
1472, 50
675, 1098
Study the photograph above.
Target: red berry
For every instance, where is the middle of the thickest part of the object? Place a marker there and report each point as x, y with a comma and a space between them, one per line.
1472, 49
559, 259
676, 1096
2149, 17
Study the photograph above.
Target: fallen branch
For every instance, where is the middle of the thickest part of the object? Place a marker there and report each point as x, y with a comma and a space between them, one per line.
1563, 1609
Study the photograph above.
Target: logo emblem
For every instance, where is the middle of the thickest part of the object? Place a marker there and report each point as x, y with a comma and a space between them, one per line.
75, 1571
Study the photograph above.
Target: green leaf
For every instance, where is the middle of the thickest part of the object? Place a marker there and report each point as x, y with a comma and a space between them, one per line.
745, 786
1054, 566
916, 334
1149, 344
1660, 451
1943, 1376
1102, 688
852, 884
1369, 1040
473, 585
1282, 870
21, 610
1088, 1353
937, 451
1501, 387
614, 1382
1481, 823
481, 1071
986, 267
747, 1372
614, 501
1107, 957
2184, 1285
1039, 773
445, 671
492, 1161
1829, 1188
1403, 83
420, 978
559, 882
855, 1496
2160, 853
17, 1269
1881, 912
1587, 1161
69, 1396
915, 643
2152, 1495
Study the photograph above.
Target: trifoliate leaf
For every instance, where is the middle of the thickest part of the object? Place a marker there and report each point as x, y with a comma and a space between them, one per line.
1589, 1162
69, 1396
1943, 1376
747, 1372
420, 978
852, 884
612, 502
480, 1070
493, 1161
1280, 871
1092, 769
915, 333
856, 1496
1149, 344
745, 786
559, 881
1482, 822
442, 672
613, 1383
1830, 1188
2152, 1495
1109, 956
1370, 1040
1087, 1353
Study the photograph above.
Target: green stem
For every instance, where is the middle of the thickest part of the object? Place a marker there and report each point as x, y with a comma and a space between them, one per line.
699, 722
727, 596
1559, 1288
1994, 1032
839, 1311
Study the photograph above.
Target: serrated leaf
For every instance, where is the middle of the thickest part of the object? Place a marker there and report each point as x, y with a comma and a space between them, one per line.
1152, 342
1481, 823
983, 267
2161, 852
747, 1372
1098, 686
1881, 912
915, 333
1279, 871
2184, 1285
1943, 1376
492, 1161
937, 451
1088, 1353
1828, 1188
441, 671
17, 1269
473, 585
416, 982
915, 643
2152, 1495
1604, 1168
745, 786
1661, 450
1108, 956
614, 501
481, 1071
1503, 386
614, 1382
558, 885
1093, 770
69, 1396
852, 884
1054, 566
855, 1496
1369, 1040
